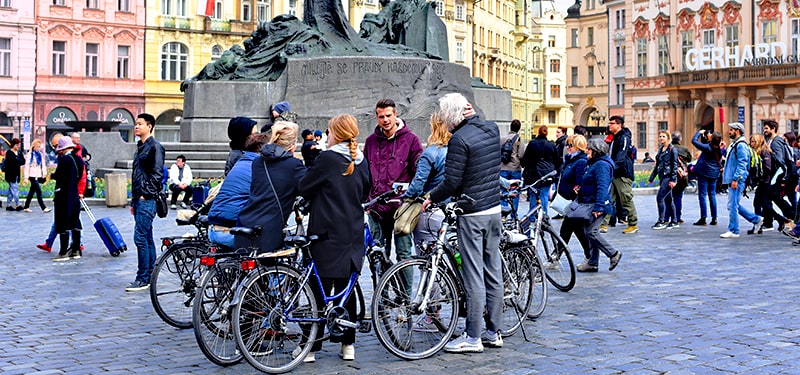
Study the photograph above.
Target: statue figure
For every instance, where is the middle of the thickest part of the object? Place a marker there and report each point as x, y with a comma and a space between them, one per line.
375, 27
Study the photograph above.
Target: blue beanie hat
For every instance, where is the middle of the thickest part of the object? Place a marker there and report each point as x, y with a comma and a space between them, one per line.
318, 133
281, 107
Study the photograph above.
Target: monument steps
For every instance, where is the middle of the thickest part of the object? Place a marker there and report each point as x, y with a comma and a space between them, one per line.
206, 159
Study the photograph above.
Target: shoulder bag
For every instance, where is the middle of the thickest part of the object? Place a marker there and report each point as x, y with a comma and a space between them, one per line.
407, 216
579, 211
559, 203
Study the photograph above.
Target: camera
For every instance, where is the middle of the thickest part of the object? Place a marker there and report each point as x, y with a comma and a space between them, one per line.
704, 135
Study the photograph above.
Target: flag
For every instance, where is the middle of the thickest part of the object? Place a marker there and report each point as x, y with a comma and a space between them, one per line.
205, 7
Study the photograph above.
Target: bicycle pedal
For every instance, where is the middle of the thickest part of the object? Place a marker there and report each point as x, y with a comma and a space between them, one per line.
365, 326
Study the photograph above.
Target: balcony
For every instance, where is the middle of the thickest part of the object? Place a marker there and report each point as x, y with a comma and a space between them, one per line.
745, 76
176, 22
210, 24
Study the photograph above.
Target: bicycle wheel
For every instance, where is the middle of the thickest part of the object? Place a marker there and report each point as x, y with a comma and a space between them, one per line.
403, 328
539, 291
557, 260
175, 277
270, 301
518, 289
211, 313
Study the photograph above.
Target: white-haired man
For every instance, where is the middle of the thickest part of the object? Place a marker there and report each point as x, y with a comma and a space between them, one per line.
472, 168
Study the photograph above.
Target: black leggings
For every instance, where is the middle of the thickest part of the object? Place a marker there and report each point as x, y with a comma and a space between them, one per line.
35, 189
349, 336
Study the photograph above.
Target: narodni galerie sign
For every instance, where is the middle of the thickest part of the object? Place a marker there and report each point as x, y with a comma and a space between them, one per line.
736, 57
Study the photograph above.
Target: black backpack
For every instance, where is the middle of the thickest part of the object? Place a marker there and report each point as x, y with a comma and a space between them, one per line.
507, 150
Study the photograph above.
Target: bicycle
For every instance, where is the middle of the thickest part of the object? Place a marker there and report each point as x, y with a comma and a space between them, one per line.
177, 273
418, 324
275, 314
552, 249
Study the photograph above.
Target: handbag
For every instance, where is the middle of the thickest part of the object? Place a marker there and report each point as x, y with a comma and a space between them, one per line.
41, 180
162, 208
559, 204
579, 211
407, 216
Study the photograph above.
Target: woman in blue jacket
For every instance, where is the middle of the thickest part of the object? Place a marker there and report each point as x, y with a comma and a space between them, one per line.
595, 189
707, 168
575, 161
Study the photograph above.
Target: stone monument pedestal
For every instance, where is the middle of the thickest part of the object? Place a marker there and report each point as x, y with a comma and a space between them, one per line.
320, 88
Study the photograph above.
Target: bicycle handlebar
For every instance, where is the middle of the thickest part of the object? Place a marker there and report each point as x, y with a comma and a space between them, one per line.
383, 197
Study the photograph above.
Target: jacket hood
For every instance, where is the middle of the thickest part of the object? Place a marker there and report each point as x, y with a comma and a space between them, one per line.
272, 153
625, 131
402, 128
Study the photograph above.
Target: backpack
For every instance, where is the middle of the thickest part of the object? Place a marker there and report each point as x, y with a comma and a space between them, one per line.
755, 171
507, 150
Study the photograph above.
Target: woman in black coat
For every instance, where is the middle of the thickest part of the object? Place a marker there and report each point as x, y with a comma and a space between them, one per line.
335, 185
66, 200
540, 158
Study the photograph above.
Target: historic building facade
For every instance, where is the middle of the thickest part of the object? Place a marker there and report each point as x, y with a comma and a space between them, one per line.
704, 64
17, 68
89, 64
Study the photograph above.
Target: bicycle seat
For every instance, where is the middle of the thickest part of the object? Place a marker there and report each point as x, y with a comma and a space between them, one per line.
250, 233
202, 221
299, 241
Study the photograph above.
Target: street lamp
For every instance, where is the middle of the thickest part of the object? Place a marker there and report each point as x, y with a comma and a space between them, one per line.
598, 117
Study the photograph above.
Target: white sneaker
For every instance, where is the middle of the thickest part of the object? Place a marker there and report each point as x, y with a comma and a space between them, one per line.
492, 341
729, 234
464, 344
348, 352
309, 357
759, 224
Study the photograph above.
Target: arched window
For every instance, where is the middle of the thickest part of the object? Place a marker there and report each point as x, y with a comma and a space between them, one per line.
216, 52
174, 61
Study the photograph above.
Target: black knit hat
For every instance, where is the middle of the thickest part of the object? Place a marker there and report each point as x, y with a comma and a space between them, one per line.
239, 129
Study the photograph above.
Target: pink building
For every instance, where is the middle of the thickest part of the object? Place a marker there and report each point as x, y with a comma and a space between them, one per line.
17, 67
90, 64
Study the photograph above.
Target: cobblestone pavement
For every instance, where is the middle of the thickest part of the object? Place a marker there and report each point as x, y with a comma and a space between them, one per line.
682, 301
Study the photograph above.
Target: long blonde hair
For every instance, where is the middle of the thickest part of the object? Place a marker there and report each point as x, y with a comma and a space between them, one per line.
35, 143
440, 136
284, 134
760, 144
345, 128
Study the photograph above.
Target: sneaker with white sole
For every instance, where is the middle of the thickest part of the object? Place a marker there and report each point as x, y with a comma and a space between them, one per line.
426, 324
309, 357
729, 234
348, 352
759, 224
464, 344
492, 340
137, 285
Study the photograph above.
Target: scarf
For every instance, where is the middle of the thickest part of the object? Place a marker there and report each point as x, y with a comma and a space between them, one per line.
343, 148
37, 157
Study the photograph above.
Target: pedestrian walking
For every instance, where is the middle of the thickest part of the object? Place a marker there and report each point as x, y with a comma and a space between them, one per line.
68, 174
666, 170
36, 173
12, 167
622, 184
737, 163
707, 168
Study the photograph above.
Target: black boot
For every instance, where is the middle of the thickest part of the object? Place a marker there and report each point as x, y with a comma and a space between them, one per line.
701, 221
713, 221
75, 252
64, 253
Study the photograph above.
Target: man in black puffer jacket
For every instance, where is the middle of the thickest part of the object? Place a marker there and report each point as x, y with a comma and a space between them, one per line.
622, 185
472, 168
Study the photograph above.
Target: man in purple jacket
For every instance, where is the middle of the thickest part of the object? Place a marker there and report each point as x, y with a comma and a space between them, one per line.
392, 152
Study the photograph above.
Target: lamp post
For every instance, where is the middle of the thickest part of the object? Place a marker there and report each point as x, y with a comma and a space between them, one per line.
598, 116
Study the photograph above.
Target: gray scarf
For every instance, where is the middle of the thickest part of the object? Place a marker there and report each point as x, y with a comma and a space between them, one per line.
343, 148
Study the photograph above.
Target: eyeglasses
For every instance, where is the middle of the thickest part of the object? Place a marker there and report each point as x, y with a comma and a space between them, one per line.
569, 144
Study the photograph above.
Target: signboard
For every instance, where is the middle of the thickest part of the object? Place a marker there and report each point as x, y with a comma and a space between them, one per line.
60, 115
739, 56
741, 115
121, 116
26, 126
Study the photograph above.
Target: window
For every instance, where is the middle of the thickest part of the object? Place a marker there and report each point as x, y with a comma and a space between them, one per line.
620, 93
663, 55
460, 10
218, 10
620, 18
440, 8
641, 135
92, 51
536, 85
574, 76
555, 91
5, 57
124, 5
551, 116
687, 43
709, 38
794, 48
123, 62
166, 7
60, 2
174, 61
591, 75
59, 58
262, 10
293, 7
551, 41
663, 126
459, 51
619, 52
769, 31
732, 36
246, 16
216, 52
92, 4
641, 57
555, 66
574, 37
180, 8
5, 3
590, 36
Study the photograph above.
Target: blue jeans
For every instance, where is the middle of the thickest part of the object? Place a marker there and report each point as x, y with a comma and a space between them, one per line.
511, 175
13, 193
735, 209
543, 196
707, 187
666, 206
220, 237
143, 213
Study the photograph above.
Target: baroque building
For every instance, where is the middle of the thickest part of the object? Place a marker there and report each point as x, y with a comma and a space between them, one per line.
89, 64
17, 72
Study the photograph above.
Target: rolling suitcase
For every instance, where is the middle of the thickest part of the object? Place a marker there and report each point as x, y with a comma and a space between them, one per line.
200, 192
108, 232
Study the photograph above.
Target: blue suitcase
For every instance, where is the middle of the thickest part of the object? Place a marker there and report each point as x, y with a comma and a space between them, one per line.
200, 193
108, 232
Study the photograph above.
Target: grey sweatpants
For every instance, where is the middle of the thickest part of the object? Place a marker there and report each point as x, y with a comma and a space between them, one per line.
479, 244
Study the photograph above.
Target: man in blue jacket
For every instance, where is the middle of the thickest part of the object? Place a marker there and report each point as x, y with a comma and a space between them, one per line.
737, 167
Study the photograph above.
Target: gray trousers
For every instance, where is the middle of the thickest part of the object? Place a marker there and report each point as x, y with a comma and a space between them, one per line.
479, 244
